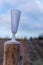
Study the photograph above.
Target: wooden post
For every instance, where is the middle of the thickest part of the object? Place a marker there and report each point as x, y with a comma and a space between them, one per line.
11, 53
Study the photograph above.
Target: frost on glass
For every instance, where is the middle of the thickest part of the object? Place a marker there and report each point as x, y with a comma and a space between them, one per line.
15, 17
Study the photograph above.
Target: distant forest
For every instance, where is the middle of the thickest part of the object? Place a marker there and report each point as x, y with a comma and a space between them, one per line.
40, 37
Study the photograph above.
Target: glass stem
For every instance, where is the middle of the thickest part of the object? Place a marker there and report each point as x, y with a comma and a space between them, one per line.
13, 37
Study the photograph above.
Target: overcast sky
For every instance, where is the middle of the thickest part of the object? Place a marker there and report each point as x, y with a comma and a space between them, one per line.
31, 21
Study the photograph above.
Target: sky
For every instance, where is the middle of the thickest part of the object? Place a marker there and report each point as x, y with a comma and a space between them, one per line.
31, 20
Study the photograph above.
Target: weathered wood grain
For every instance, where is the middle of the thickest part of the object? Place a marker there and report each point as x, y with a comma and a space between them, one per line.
11, 54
